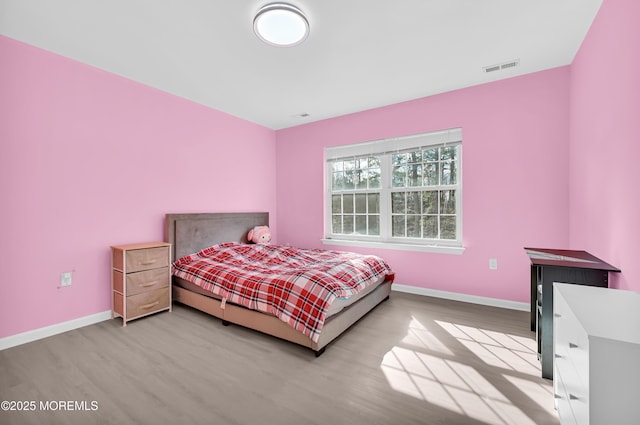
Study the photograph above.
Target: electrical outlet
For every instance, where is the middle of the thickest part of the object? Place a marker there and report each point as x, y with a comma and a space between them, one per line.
65, 278
493, 264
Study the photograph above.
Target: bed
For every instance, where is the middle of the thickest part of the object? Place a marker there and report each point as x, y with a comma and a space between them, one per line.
194, 233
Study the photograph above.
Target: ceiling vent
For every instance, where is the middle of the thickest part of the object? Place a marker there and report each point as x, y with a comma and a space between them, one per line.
501, 66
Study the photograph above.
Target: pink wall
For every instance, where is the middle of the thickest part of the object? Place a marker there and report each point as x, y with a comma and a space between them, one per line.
515, 184
89, 160
605, 141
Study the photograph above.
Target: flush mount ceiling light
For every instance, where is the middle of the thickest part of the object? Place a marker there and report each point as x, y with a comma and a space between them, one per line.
281, 24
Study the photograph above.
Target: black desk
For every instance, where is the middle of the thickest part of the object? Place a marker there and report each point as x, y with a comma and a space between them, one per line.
558, 265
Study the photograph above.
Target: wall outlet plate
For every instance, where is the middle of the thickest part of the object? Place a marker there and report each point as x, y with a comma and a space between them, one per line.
493, 264
65, 278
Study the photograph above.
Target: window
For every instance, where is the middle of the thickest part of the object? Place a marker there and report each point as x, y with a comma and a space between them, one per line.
404, 191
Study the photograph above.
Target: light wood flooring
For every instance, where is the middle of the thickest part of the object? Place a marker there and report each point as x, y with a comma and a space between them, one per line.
413, 360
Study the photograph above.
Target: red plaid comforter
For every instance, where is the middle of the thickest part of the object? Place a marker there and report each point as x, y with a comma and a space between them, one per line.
295, 285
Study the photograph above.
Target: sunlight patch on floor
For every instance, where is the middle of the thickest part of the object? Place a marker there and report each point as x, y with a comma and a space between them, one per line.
458, 387
496, 348
540, 392
419, 336
450, 385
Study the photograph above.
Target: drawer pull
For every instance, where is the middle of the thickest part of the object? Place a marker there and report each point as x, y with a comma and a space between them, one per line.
558, 356
557, 397
146, 285
148, 306
558, 315
148, 262
572, 397
572, 345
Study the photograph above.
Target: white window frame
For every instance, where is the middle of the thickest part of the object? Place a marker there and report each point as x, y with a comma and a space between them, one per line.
385, 148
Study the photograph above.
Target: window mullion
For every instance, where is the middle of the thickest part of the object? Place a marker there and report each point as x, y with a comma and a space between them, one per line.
385, 197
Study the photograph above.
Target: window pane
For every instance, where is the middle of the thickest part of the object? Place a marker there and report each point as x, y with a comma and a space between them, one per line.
448, 153
430, 155
349, 179
413, 226
448, 202
336, 204
338, 181
361, 224
374, 225
398, 225
414, 175
338, 166
399, 158
430, 226
347, 204
361, 203
347, 224
413, 203
373, 201
447, 227
397, 202
431, 174
374, 178
430, 202
374, 162
360, 179
454, 173
449, 173
349, 165
415, 157
399, 176
336, 223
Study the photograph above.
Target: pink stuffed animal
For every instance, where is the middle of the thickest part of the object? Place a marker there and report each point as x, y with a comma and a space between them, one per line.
259, 234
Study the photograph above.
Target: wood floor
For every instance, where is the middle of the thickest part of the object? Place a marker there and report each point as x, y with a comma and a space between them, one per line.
413, 360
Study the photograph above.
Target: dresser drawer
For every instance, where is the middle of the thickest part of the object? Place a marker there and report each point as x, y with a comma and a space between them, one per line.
145, 259
147, 302
565, 413
572, 382
571, 341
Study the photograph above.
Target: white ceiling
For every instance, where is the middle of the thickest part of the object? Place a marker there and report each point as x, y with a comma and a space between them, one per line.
360, 54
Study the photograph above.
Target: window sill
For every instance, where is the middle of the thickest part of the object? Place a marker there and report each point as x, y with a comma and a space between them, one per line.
439, 249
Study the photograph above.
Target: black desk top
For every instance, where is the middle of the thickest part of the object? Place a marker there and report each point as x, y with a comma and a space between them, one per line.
567, 258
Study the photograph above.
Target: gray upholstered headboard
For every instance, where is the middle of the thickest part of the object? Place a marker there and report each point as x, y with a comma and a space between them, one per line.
189, 233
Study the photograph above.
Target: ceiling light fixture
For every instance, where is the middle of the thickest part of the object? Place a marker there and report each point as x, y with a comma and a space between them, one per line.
281, 24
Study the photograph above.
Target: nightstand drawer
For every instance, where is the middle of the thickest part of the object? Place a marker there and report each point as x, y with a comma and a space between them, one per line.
146, 281
145, 259
140, 281
147, 302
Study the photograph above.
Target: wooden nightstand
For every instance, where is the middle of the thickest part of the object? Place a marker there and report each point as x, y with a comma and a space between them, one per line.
140, 279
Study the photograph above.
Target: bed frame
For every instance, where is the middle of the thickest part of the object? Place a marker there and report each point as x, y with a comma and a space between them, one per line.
189, 233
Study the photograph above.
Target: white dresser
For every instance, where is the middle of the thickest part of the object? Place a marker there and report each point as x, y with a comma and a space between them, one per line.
596, 346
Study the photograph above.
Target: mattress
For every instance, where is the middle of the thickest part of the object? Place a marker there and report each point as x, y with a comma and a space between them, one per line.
336, 307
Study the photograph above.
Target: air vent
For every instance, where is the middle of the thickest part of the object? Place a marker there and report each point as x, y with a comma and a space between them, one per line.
501, 66
509, 65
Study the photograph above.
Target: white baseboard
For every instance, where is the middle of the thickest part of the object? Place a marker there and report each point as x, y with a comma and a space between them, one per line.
29, 336
474, 299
